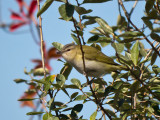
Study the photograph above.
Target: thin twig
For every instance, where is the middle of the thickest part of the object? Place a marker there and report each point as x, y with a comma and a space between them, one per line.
149, 53
133, 8
129, 20
42, 42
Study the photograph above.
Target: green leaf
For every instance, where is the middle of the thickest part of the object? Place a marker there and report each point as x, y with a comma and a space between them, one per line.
75, 38
95, 1
108, 90
119, 47
60, 79
81, 10
57, 45
93, 116
74, 95
46, 116
61, 1
155, 37
143, 52
27, 99
78, 108
66, 11
117, 85
71, 86
66, 70
44, 7
34, 113
20, 80
76, 82
39, 72
135, 53
120, 20
111, 112
148, 23
98, 39
156, 69
103, 24
154, 57
130, 34
149, 5
91, 19
53, 118
80, 97
156, 30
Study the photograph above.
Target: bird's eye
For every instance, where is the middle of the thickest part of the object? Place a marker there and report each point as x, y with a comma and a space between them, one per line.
68, 49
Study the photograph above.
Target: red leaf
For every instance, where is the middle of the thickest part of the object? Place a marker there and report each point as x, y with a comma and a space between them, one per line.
15, 26
32, 7
52, 53
48, 66
16, 16
37, 61
20, 3
28, 96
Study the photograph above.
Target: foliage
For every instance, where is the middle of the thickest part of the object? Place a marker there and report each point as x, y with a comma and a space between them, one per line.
133, 94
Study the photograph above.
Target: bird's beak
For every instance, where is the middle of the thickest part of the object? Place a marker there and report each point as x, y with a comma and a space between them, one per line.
59, 52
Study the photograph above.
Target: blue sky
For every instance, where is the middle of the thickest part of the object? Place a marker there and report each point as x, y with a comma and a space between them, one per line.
17, 50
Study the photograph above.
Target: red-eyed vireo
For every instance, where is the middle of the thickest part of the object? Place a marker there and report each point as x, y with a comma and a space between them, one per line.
97, 64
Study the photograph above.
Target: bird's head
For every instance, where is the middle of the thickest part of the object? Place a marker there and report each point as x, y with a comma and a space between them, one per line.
68, 52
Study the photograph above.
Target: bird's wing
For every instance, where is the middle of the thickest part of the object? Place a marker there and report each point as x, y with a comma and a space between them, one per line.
92, 53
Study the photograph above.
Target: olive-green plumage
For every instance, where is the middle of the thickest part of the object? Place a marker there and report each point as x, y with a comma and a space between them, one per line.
97, 64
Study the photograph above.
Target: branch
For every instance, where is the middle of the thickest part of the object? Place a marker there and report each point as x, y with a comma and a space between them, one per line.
42, 42
129, 20
84, 69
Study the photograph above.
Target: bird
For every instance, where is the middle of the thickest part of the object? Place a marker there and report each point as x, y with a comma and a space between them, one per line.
97, 64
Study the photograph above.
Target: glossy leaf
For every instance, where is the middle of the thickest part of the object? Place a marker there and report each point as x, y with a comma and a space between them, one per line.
34, 113
60, 79
27, 99
154, 57
91, 19
148, 23
135, 53
20, 80
46, 116
81, 10
66, 11
155, 37
45, 6
66, 70
75, 38
39, 72
80, 97
104, 25
119, 47
130, 34
74, 95
57, 45
76, 82
98, 39
78, 107
120, 20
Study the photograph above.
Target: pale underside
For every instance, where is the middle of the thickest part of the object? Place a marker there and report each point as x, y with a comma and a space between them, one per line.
97, 64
